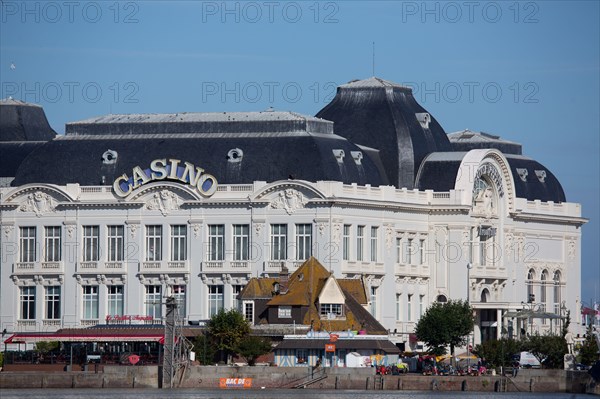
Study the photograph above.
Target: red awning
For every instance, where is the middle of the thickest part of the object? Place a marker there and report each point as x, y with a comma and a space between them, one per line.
90, 337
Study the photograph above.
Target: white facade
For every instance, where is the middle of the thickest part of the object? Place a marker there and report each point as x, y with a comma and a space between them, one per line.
120, 256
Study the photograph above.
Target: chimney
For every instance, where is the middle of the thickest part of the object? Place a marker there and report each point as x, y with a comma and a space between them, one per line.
284, 278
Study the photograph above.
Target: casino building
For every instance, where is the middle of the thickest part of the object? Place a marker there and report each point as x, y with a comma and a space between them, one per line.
99, 224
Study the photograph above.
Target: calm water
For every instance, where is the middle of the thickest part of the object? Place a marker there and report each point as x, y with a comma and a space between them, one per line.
266, 393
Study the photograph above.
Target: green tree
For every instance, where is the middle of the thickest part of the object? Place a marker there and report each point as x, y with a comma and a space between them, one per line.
227, 328
46, 346
447, 323
205, 349
498, 352
251, 347
588, 353
550, 350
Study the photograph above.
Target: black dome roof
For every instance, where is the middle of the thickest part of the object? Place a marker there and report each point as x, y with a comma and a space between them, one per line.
386, 116
531, 179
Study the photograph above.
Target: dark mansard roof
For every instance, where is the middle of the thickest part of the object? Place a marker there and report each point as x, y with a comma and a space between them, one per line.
532, 180
235, 147
386, 116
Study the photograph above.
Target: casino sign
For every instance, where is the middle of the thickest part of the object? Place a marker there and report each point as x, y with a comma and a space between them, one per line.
166, 169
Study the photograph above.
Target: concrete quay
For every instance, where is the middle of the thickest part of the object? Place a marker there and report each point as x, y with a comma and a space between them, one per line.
115, 376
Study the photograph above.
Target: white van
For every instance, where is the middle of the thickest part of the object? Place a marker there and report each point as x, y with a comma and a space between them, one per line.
527, 360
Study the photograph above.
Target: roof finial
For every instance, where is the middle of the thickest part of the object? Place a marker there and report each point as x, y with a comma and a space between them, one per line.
373, 59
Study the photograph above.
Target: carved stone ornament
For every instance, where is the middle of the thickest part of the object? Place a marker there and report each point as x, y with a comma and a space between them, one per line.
38, 203
321, 226
571, 250
165, 202
8, 229
70, 230
258, 227
196, 229
133, 229
508, 244
291, 200
337, 232
389, 237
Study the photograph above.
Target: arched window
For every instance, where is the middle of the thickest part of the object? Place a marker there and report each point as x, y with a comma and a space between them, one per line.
485, 295
557, 296
529, 283
442, 298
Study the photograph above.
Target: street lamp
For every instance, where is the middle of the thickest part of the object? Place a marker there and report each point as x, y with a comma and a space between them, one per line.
469, 267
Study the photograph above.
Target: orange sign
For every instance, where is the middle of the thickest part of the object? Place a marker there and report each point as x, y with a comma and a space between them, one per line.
235, 383
329, 348
333, 337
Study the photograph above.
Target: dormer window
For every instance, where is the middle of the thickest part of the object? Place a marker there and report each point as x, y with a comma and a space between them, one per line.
332, 310
284, 312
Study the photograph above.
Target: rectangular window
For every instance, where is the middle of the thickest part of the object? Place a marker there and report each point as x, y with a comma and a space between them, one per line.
52, 244
154, 301
216, 242
346, 242
278, 241
284, 312
179, 295
421, 305
408, 245
90, 302
116, 243
27, 244
179, 242
303, 241
236, 292
241, 242
53, 302
360, 234
91, 243
398, 307
374, 301
398, 250
409, 307
331, 310
27, 301
215, 299
249, 311
374, 246
421, 252
115, 300
154, 243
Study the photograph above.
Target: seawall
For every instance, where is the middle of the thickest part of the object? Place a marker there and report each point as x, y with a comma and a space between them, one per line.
115, 376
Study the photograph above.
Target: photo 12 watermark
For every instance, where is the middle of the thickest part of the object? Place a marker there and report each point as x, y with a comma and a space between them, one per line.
473, 91
71, 92
253, 12
452, 12
270, 92
53, 12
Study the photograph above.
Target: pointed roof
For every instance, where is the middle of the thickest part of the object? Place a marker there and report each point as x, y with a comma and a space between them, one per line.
304, 285
304, 288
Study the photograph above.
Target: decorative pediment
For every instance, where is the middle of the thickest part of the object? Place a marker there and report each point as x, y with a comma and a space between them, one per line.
289, 199
164, 201
289, 189
39, 203
147, 192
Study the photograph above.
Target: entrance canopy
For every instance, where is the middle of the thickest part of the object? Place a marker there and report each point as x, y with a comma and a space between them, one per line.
527, 313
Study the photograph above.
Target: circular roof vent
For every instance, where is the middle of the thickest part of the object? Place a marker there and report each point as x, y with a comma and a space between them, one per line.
235, 155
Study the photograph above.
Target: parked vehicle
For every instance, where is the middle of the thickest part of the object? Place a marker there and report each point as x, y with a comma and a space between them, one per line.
527, 360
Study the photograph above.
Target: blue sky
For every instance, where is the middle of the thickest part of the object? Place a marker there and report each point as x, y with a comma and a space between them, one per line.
527, 71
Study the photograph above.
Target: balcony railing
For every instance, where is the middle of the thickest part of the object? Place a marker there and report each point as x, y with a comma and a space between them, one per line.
89, 322
38, 267
226, 266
